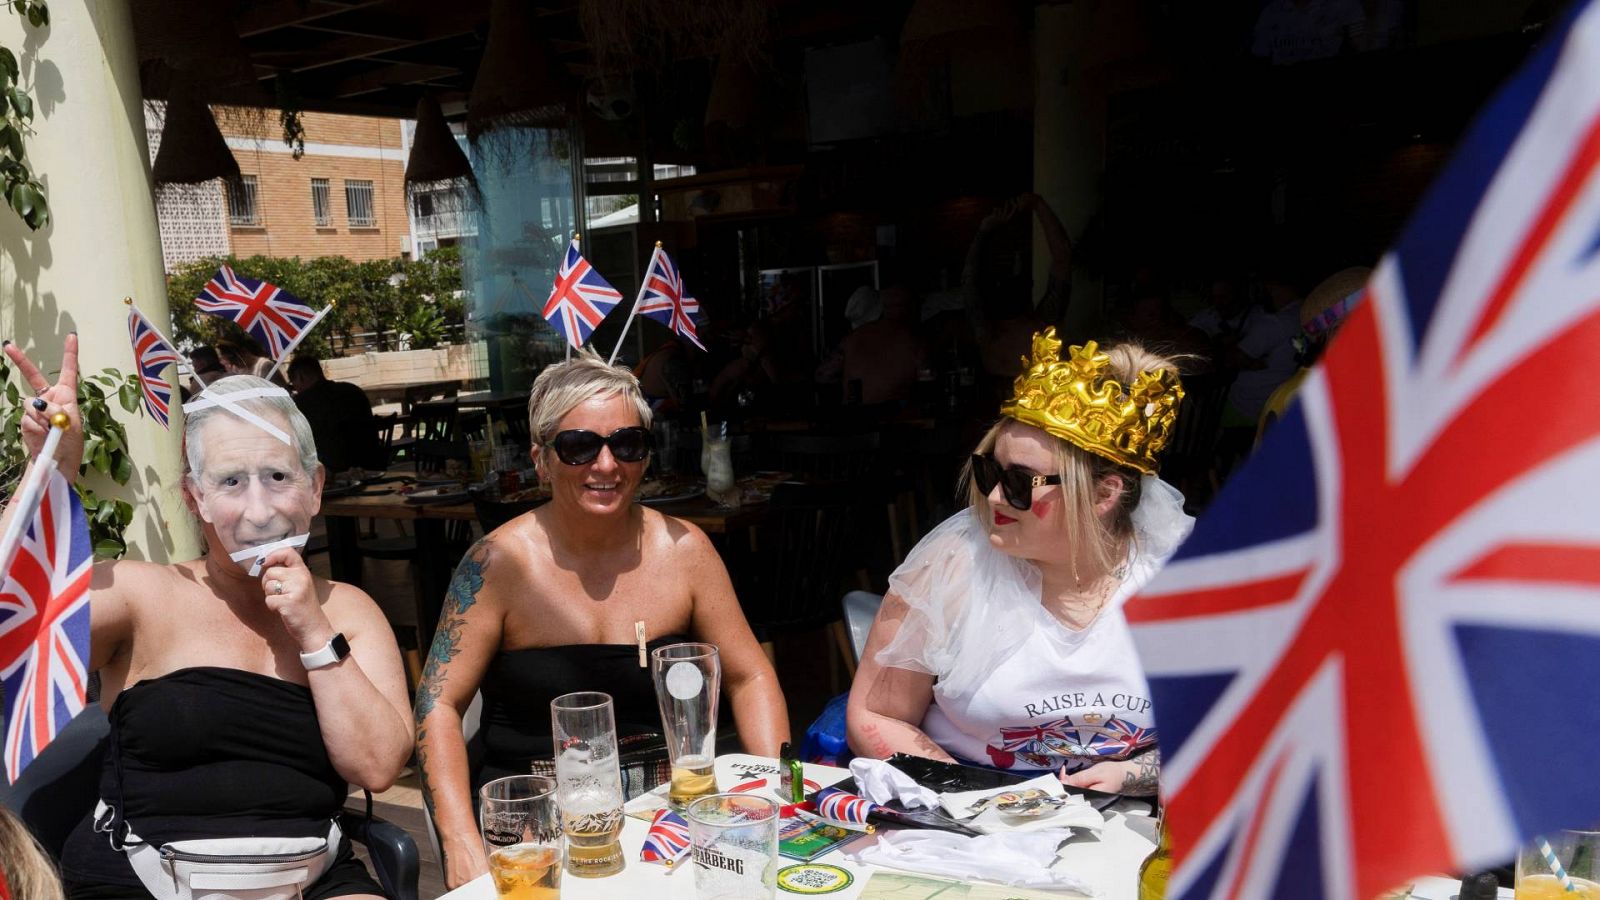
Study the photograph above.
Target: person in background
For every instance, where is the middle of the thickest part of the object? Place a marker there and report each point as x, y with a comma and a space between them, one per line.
1001, 641
340, 415
207, 368
1263, 353
560, 599
244, 358
883, 356
999, 306
666, 375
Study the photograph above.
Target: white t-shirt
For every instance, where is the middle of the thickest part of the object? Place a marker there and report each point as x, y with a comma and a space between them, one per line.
1013, 687
1269, 337
1064, 699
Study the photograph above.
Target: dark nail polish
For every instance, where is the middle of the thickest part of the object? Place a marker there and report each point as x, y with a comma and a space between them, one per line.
5, 343
39, 404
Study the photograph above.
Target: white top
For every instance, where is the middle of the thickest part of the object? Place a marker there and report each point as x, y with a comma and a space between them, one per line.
1269, 337
1015, 688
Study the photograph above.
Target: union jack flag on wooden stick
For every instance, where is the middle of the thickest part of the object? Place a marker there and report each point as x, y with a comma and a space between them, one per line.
45, 559
579, 299
667, 841
277, 319
1408, 571
152, 353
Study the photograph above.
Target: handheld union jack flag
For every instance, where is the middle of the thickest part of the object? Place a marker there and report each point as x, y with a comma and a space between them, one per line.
579, 299
44, 625
1408, 566
276, 318
663, 297
843, 807
667, 841
153, 354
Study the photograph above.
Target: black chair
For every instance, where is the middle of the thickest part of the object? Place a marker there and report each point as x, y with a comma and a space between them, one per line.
828, 457
494, 513
1191, 453
385, 426
794, 582
438, 439
55, 791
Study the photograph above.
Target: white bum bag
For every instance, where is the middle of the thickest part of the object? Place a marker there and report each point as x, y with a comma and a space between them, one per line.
246, 868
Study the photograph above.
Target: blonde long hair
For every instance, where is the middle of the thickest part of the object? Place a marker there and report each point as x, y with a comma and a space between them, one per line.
27, 870
1104, 539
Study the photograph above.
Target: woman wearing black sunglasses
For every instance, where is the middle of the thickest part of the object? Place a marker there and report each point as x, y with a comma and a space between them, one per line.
552, 602
1001, 642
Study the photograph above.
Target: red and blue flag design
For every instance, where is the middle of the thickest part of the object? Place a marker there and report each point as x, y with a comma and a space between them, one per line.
667, 841
1411, 561
843, 807
44, 625
1117, 739
665, 299
153, 354
272, 315
579, 299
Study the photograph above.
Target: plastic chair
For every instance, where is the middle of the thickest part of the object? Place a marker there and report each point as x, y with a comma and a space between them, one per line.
60, 786
860, 609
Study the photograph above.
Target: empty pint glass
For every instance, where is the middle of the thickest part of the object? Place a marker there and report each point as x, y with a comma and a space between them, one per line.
733, 839
522, 836
589, 783
688, 681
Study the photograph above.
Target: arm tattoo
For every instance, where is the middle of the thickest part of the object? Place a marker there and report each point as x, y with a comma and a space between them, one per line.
1146, 781
463, 593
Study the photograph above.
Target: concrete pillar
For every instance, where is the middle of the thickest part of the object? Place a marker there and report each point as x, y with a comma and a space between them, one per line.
88, 149
1069, 136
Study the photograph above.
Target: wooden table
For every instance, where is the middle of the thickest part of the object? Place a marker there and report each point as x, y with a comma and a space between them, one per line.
435, 563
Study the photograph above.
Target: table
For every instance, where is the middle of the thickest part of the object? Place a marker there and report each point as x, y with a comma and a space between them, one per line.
434, 567
1111, 863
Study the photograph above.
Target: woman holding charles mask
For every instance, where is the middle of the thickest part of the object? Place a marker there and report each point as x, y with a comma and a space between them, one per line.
245, 694
551, 602
1001, 642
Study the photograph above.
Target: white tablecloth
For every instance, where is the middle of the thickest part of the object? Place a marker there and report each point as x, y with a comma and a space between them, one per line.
1111, 864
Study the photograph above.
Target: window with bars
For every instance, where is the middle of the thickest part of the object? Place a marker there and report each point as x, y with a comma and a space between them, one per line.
321, 207
242, 201
358, 204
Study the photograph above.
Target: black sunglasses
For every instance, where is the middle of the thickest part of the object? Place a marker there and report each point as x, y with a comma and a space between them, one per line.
1015, 484
579, 448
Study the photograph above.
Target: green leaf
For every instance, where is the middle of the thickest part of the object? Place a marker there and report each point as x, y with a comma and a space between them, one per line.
35, 16
21, 102
44, 13
22, 200
8, 64
108, 548
123, 469
21, 6
129, 395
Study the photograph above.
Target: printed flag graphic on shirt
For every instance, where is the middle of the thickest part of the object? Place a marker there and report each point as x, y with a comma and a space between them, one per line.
44, 625
663, 297
272, 315
153, 354
579, 299
1410, 564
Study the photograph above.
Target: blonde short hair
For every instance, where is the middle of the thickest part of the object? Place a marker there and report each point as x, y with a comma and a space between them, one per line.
24, 864
1081, 473
562, 386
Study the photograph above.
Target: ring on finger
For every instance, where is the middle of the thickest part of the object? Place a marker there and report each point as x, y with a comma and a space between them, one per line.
276, 586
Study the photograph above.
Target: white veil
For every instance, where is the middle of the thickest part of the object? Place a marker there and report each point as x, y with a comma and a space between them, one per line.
970, 606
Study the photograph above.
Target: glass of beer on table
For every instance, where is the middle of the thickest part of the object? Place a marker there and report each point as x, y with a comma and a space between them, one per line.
589, 782
733, 840
1562, 865
522, 836
688, 680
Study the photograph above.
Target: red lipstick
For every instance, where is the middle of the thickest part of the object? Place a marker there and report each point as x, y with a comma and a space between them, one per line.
1001, 518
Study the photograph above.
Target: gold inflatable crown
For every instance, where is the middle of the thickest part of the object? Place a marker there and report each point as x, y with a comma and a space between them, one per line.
1077, 400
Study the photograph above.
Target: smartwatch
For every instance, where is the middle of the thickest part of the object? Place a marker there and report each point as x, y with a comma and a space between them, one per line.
335, 650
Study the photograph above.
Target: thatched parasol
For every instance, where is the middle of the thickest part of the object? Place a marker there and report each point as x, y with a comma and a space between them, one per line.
519, 81
192, 149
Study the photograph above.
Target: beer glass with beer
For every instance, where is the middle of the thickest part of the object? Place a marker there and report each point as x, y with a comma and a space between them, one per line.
522, 836
733, 840
688, 680
589, 783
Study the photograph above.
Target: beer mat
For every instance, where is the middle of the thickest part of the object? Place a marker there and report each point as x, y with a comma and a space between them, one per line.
805, 838
644, 806
948, 778
899, 886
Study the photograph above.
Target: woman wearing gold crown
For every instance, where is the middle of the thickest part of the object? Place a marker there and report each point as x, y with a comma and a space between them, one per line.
1001, 641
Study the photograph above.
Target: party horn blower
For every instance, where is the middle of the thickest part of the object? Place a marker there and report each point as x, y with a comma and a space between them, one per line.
667, 841
844, 808
1555, 866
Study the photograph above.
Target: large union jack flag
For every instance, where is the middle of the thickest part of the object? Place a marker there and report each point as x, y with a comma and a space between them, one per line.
579, 299
272, 315
44, 626
664, 298
153, 354
1408, 571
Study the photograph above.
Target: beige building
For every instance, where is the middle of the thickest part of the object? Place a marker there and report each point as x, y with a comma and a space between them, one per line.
344, 197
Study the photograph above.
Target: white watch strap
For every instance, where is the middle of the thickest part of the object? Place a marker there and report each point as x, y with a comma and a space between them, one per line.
326, 655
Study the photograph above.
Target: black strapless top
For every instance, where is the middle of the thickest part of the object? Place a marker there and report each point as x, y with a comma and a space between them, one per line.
209, 752
519, 685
